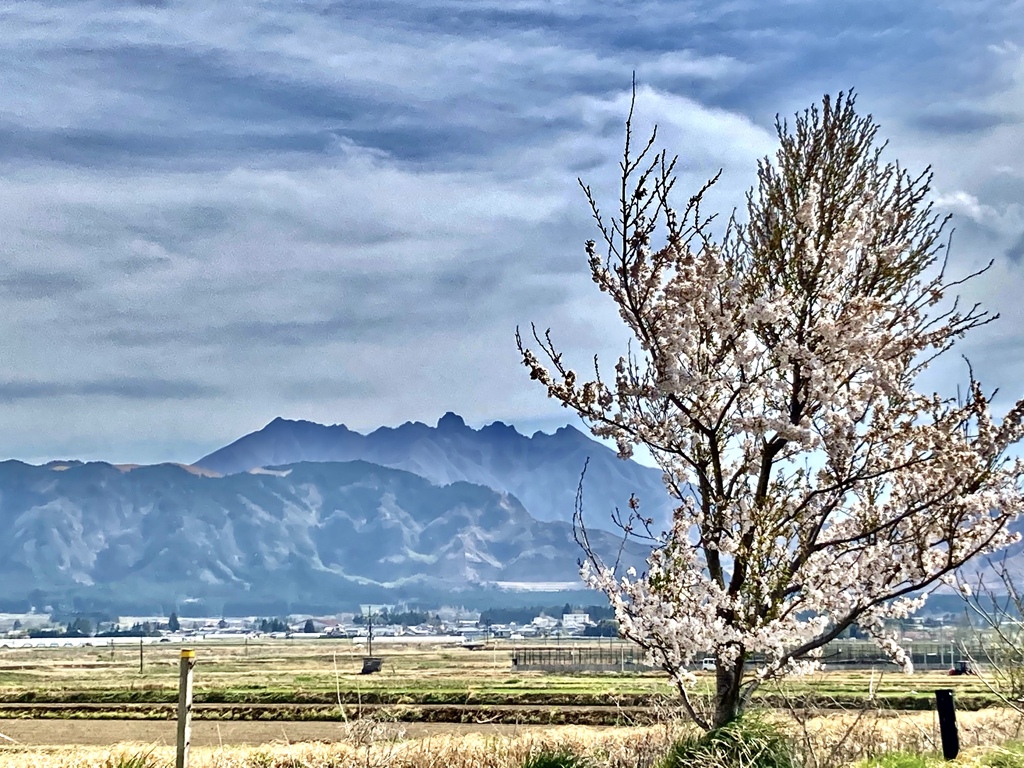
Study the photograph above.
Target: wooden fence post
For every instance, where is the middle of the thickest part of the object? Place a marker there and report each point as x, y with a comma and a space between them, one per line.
947, 723
188, 661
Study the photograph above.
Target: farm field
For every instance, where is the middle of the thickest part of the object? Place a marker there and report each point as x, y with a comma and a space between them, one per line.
276, 703
309, 679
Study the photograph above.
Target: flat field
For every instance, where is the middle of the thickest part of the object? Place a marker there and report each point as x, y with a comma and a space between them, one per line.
275, 703
324, 672
315, 679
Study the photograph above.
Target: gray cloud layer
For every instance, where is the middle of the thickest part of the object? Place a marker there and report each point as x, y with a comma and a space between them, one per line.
214, 214
127, 388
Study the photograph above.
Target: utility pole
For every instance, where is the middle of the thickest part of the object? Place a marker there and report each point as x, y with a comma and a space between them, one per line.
369, 632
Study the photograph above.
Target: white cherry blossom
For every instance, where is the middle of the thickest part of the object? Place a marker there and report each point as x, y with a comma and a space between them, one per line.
772, 377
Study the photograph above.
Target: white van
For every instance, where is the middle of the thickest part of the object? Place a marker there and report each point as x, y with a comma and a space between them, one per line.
707, 664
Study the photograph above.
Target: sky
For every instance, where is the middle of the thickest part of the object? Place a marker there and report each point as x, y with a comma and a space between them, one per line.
214, 214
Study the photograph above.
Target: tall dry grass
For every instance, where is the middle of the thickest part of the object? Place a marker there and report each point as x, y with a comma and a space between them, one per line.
823, 742
840, 739
380, 746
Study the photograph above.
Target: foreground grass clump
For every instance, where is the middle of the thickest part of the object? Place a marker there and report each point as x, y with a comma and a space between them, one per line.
992, 757
1010, 755
555, 758
751, 740
898, 760
134, 760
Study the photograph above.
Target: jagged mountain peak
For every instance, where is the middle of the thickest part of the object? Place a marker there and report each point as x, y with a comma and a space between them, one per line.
542, 470
498, 432
281, 424
451, 422
563, 433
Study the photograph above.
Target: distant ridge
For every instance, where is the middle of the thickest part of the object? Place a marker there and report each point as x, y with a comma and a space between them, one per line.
324, 533
542, 471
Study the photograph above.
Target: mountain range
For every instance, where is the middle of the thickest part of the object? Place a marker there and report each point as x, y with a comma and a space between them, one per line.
300, 515
542, 471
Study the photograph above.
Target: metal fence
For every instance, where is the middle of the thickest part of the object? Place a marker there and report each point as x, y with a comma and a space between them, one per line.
926, 655
840, 654
620, 657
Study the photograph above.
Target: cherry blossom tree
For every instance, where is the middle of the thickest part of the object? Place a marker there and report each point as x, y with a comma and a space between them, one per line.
772, 370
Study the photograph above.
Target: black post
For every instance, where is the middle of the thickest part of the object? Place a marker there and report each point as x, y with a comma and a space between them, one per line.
947, 723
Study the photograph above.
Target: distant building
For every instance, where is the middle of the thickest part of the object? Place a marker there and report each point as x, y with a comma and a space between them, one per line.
576, 621
544, 622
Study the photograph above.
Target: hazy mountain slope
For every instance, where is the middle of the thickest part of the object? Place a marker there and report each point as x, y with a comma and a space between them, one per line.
310, 532
542, 471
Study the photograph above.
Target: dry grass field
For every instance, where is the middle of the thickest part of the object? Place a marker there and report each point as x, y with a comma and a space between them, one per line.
214, 733
625, 747
326, 671
91, 694
829, 740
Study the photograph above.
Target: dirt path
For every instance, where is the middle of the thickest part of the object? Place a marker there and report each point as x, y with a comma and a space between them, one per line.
51, 732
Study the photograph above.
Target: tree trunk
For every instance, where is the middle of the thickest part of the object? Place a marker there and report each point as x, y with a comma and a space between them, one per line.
728, 702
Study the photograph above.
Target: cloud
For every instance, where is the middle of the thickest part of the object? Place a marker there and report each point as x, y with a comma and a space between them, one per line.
958, 119
964, 203
328, 388
129, 388
1016, 251
217, 214
27, 285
